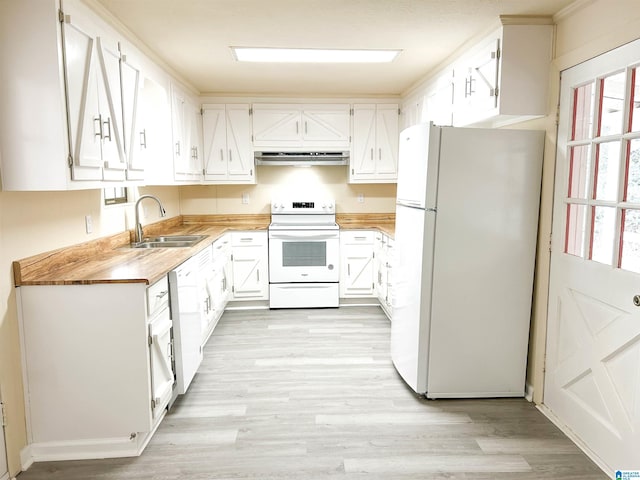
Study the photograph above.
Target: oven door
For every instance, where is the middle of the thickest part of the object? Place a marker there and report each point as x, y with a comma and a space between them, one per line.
303, 256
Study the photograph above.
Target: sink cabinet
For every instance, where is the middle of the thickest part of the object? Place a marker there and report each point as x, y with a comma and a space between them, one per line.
97, 367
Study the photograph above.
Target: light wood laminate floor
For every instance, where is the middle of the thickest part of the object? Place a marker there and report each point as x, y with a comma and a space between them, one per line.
312, 394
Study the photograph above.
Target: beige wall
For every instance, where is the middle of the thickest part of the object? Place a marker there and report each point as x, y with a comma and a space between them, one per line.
322, 181
35, 222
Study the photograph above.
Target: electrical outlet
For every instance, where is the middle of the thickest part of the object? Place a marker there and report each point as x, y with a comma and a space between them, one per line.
245, 199
88, 223
361, 198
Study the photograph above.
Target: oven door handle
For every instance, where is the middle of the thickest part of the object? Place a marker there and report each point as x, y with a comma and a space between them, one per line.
303, 235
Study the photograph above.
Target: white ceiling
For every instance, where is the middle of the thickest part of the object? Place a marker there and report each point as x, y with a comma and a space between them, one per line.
194, 36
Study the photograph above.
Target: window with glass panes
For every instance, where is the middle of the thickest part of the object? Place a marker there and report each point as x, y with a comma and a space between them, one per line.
603, 191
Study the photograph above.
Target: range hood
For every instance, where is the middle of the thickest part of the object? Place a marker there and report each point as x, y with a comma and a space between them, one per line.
301, 159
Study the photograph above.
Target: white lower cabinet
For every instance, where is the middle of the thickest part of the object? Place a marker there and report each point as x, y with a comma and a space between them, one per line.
384, 272
356, 263
250, 265
97, 367
217, 285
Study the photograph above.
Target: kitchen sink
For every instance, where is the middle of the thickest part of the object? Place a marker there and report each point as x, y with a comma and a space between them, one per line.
169, 241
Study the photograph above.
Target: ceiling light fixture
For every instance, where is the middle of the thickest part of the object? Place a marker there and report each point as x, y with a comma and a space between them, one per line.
312, 55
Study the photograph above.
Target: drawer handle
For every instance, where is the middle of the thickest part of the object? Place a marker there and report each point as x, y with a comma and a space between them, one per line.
162, 293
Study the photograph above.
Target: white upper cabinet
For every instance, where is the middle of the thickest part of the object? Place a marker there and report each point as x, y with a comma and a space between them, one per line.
504, 78
374, 154
187, 136
71, 100
228, 156
314, 126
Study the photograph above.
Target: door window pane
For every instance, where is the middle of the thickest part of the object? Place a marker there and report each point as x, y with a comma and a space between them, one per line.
576, 229
630, 255
635, 101
612, 104
607, 171
580, 169
603, 234
583, 101
632, 193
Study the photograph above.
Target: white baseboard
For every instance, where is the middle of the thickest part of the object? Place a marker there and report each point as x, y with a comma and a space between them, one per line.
87, 449
606, 469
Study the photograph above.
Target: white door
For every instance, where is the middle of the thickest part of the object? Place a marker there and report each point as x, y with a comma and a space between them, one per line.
326, 125
356, 271
364, 140
592, 382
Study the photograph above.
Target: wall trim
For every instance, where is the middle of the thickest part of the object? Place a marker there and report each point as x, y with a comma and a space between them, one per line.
571, 9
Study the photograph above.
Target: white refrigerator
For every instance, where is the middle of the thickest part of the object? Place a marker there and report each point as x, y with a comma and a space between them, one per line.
465, 245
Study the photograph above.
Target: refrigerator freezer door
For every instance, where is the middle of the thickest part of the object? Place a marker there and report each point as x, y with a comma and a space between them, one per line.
418, 166
412, 294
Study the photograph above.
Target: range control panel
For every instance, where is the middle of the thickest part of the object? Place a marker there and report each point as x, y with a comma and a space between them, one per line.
313, 207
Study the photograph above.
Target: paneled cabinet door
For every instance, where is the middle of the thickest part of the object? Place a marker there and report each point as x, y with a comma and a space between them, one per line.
476, 81
228, 155
276, 125
374, 154
135, 132
186, 137
160, 355
356, 270
250, 279
326, 125
94, 103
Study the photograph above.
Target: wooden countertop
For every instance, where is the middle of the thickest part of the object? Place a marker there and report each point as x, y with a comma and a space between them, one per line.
111, 260
385, 222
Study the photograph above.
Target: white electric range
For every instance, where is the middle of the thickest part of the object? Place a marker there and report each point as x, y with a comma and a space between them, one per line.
304, 254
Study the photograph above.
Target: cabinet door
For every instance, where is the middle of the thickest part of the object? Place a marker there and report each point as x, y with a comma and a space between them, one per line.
83, 111
326, 125
387, 142
250, 273
160, 356
476, 83
241, 163
110, 102
356, 270
276, 125
193, 138
214, 134
180, 150
134, 128
362, 161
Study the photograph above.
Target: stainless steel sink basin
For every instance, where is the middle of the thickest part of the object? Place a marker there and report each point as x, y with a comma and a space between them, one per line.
169, 241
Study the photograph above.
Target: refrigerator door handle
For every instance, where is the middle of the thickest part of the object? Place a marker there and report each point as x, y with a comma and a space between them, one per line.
410, 203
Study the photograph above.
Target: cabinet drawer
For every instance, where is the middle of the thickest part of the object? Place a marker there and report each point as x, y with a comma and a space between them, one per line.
357, 237
157, 296
221, 246
240, 239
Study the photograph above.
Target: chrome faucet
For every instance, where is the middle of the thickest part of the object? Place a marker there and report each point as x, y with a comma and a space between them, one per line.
163, 213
